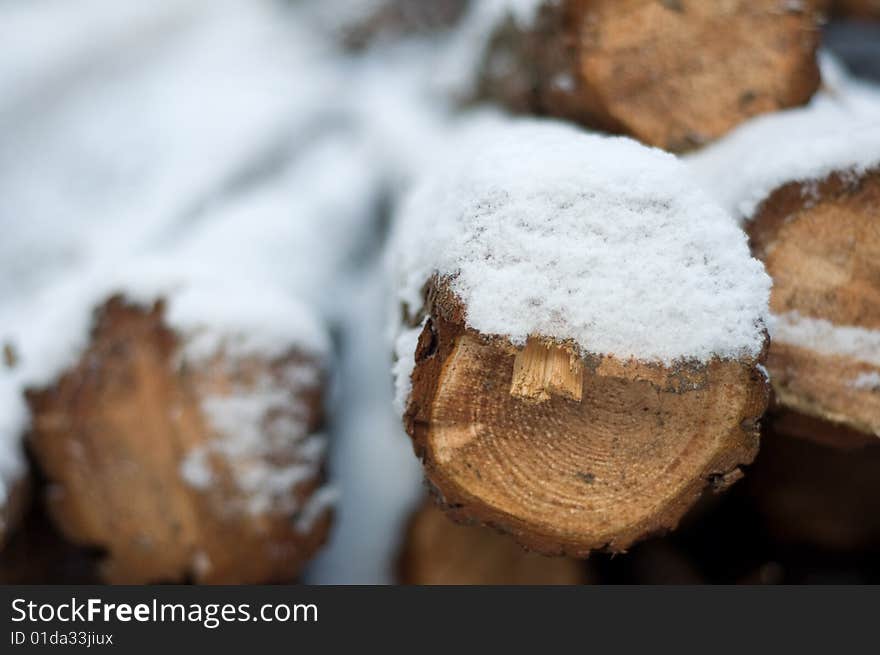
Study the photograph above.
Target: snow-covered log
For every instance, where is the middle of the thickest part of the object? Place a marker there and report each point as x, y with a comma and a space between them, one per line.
439, 552
184, 458
674, 74
583, 332
812, 212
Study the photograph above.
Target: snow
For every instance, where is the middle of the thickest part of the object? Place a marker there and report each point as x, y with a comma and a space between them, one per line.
372, 462
546, 230
870, 381
404, 363
839, 131
826, 338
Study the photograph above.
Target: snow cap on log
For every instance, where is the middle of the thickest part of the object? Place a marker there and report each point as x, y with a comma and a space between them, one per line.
601, 242
583, 337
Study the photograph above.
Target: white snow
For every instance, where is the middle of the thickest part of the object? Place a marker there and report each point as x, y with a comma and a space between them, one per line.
404, 363
839, 131
870, 381
550, 231
825, 337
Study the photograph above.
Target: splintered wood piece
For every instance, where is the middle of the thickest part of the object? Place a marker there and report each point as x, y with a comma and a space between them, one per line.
120, 431
507, 441
674, 74
820, 242
439, 552
811, 494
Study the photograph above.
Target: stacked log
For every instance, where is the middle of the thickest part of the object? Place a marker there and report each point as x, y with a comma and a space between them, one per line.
205, 469
534, 412
674, 74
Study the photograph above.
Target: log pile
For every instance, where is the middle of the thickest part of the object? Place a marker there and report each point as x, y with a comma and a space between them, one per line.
587, 335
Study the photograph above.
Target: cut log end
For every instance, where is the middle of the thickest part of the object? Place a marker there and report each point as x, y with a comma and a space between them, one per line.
439, 552
820, 242
672, 74
138, 469
571, 457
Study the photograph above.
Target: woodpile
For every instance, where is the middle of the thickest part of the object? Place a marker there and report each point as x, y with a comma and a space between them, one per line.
596, 338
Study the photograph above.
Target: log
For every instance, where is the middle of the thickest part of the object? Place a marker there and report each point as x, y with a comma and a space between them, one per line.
205, 470
439, 552
820, 241
813, 494
673, 73
538, 398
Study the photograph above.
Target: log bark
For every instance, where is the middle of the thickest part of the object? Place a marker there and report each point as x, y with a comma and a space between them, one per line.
439, 552
671, 73
820, 242
115, 432
570, 455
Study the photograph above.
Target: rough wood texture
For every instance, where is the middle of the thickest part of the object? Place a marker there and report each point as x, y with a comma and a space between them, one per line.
811, 494
567, 471
672, 73
111, 436
439, 552
820, 243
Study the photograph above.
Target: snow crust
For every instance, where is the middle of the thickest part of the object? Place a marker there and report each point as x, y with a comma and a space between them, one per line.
546, 230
